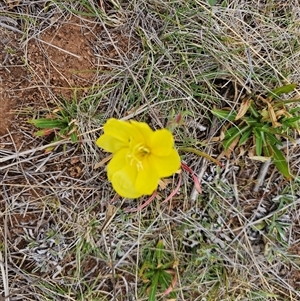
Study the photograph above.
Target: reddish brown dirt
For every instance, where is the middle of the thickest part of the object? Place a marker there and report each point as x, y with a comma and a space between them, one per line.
12, 78
62, 59
60, 62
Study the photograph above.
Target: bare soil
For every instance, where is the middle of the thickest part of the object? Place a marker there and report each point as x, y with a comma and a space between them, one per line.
13, 77
61, 59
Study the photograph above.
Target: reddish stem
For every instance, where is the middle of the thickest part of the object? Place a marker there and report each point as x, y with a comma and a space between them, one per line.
174, 191
195, 179
143, 205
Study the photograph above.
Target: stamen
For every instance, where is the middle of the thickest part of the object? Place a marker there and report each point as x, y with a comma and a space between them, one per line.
137, 154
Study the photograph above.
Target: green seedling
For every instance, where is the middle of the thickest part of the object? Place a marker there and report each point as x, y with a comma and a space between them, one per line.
158, 273
59, 124
263, 121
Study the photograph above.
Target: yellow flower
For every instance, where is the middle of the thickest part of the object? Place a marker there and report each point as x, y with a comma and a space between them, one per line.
141, 156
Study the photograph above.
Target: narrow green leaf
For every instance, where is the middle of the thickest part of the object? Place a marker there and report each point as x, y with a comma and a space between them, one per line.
252, 121
168, 282
74, 137
245, 135
64, 132
282, 90
45, 123
267, 150
294, 110
224, 114
282, 102
153, 287
292, 119
165, 279
146, 276
228, 142
253, 110
278, 132
272, 139
232, 134
167, 265
280, 162
259, 141
159, 252
233, 130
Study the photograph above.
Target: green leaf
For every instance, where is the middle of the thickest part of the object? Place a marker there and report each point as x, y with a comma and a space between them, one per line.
252, 121
245, 136
291, 120
63, 132
272, 139
278, 132
294, 110
212, 2
267, 150
280, 162
259, 141
159, 252
253, 111
224, 114
282, 90
232, 134
45, 123
165, 279
153, 287
74, 137
224, 4
228, 141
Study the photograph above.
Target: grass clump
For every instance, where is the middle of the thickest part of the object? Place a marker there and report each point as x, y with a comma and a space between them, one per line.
157, 273
265, 121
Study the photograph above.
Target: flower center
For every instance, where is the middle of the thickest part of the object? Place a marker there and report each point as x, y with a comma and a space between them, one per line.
137, 154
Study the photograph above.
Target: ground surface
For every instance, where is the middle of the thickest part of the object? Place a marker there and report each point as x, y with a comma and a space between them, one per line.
63, 233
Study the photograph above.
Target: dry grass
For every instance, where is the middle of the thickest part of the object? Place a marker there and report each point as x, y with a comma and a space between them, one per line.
63, 234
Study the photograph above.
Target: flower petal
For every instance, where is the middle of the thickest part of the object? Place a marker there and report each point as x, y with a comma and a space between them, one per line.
110, 144
147, 178
123, 183
161, 142
122, 175
118, 161
116, 135
143, 128
141, 133
165, 166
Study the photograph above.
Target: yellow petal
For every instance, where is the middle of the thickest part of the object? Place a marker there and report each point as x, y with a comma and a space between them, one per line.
140, 133
167, 165
161, 142
147, 179
123, 183
118, 162
122, 175
143, 128
116, 135
110, 144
